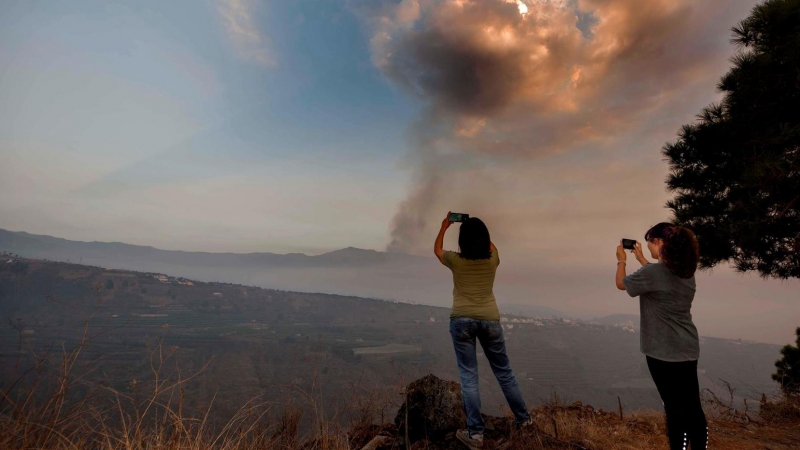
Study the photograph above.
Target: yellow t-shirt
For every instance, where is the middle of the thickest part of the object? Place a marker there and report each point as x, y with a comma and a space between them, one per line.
472, 286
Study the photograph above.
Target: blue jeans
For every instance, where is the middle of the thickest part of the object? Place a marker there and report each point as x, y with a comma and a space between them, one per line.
464, 330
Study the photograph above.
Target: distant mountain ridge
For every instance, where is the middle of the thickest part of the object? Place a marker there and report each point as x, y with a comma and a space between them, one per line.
100, 253
347, 271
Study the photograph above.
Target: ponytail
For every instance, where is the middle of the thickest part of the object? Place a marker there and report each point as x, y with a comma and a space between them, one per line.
680, 251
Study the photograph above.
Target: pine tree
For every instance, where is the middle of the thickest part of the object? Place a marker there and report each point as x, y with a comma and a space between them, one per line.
736, 171
788, 374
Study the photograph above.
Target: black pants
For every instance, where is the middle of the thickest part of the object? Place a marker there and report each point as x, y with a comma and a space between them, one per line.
679, 390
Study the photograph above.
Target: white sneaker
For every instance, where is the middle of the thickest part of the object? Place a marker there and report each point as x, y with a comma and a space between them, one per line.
526, 423
472, 441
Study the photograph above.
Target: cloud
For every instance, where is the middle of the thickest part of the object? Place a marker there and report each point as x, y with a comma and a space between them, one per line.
504, 83
250, 43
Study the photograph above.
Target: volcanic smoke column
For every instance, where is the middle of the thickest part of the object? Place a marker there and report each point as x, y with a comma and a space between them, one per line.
504, 80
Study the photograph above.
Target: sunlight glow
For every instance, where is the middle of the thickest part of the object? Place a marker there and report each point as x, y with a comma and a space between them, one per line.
523, 8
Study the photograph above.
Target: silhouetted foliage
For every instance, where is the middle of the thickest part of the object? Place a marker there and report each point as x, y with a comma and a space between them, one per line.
788, 374
736, 171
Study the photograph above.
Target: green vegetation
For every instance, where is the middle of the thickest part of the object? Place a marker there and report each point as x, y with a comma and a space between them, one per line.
788, 373
736, 172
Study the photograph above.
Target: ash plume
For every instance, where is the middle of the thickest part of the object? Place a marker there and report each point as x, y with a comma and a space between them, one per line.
506, 80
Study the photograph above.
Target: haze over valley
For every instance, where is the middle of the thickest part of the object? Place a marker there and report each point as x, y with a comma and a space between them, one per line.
536, 290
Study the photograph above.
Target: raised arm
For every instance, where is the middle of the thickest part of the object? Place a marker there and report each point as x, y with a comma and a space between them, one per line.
621, 261
438, 246
637, 251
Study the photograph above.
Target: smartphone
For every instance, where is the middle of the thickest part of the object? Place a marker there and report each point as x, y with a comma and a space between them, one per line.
458, 217
628, 244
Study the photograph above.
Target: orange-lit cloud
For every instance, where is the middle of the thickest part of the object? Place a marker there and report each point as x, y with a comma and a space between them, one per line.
517, 86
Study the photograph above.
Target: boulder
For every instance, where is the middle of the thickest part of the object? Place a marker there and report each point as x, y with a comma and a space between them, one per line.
433, 408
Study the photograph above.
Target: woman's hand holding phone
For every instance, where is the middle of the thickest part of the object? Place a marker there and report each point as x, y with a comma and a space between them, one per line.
621, 255
637, 251
446, 222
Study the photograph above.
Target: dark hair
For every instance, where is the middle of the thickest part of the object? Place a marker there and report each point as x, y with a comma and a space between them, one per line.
473, 239
680, 251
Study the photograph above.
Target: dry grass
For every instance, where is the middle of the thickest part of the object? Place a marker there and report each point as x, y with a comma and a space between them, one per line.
783, 409
575, 426
135, 421
52, 404
582, 426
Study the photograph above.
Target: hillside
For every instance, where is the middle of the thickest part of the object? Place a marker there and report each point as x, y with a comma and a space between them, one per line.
268, 341
311, 352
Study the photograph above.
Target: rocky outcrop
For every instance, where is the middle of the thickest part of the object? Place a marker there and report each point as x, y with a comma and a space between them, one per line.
432, 409
432, 412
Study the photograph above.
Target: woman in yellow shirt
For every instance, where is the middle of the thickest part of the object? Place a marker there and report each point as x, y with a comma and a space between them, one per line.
475, 317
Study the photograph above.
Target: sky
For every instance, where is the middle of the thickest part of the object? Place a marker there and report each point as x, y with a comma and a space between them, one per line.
313, 125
